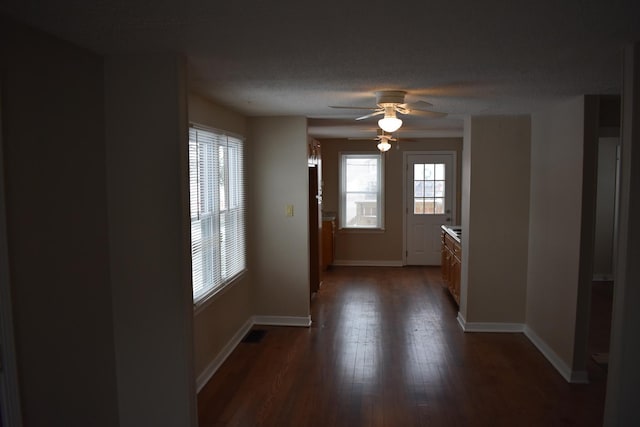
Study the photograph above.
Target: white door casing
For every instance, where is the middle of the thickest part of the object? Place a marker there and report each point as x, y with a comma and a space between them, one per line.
429, 200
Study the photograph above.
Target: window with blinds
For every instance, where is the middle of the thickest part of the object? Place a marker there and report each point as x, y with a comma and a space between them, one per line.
217, 205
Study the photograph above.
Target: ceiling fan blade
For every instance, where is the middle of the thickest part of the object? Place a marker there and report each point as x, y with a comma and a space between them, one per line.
375, 113
425, 113
354, 108
418, 105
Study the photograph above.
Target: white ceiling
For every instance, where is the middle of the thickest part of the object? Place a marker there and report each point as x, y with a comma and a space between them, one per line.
295, 57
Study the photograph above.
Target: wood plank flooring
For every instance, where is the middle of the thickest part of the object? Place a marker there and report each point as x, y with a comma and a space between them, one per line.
385, 349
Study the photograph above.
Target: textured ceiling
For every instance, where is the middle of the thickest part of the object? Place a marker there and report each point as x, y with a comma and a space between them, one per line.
293, 57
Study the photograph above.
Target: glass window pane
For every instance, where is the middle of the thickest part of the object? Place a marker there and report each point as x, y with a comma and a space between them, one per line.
362, 174
439, 171
439, 206
429, 189
418, 206
418, 188
429, 171
361, 188
361, 210
418, 172
439, 189
428, 206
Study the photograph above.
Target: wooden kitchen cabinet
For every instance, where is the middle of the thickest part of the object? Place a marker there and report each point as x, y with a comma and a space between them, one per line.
328, 233
451, 262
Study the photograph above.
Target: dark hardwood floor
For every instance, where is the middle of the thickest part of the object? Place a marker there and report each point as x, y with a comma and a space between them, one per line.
385, 349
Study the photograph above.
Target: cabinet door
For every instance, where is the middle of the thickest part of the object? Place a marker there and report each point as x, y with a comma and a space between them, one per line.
327, 244
444, 261
455, 282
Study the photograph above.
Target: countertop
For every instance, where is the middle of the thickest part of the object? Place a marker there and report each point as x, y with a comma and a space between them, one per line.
328, 216
454, 231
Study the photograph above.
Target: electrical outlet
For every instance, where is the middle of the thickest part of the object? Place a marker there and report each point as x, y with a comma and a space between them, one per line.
289, 210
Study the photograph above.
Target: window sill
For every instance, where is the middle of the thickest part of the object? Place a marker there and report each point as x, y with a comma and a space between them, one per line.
361, 230
216, 293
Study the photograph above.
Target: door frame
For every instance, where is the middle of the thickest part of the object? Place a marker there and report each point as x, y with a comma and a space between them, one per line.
9, 390
405, 171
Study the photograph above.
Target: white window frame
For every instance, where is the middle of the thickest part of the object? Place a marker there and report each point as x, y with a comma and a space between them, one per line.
216, 197
343, 157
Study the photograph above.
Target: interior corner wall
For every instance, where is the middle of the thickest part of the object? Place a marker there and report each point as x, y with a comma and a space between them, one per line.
557, 150
278, 176
150, 264
495, 231
621, 407
219, 320
55, 181
465, 210
591, 129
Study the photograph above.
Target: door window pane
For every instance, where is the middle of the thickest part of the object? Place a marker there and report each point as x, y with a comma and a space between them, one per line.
428, 188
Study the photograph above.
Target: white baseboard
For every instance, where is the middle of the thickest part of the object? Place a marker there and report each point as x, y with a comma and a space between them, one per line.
576, 377
489, 326
215, 364
366, 263
571, 376
282, 321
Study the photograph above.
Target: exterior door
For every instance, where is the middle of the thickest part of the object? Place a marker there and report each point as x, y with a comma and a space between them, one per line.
430, 197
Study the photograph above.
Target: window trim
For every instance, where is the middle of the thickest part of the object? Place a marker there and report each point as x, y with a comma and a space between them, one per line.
212, 294
342, 157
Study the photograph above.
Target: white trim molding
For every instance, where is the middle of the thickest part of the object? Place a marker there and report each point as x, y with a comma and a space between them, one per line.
489, 326
575, 377
571, 376
226, 351
367, 263
282, 321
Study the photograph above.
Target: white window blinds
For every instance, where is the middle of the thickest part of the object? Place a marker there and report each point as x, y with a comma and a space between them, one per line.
217, 205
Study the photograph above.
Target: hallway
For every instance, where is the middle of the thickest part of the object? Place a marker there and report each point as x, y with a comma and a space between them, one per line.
385, 349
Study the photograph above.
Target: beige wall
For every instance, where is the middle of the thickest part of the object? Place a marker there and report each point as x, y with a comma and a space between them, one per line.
377, 247
55, 176
495, 231
557, 149
216, 323
149, 248
465, 208
279, 246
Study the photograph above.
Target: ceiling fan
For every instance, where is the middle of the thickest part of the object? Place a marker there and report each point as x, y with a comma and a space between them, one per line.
390, 102
384, 140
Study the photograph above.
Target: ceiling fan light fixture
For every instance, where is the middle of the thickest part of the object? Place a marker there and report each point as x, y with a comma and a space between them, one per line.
390, 123
384, 145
